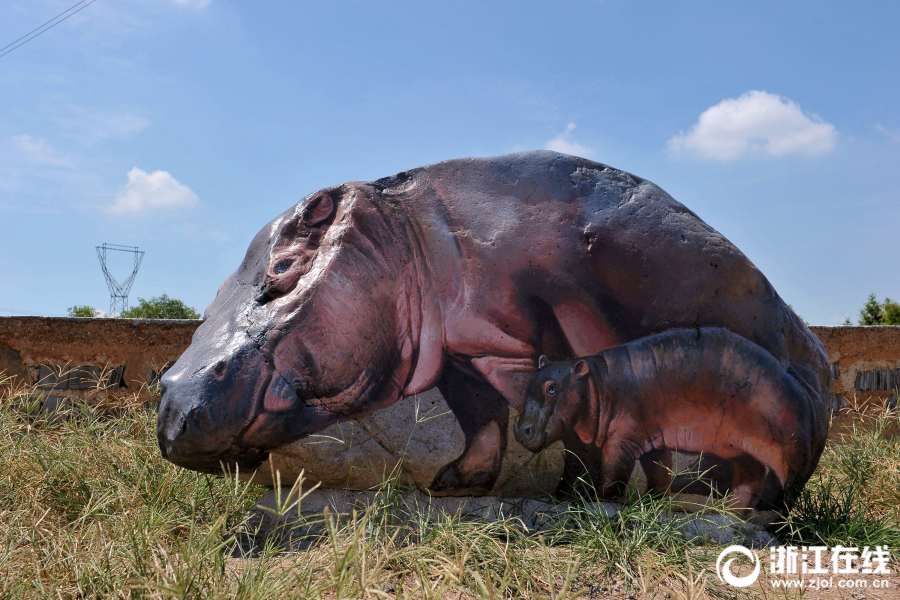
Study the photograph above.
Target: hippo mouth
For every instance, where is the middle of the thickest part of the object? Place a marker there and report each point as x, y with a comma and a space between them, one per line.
231, 414
241, 460
190, 439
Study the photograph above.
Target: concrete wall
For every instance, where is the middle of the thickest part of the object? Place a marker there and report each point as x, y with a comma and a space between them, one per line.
865, 360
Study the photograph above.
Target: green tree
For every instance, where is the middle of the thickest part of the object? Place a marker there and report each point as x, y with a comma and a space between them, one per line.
82, 311
891, 312
883, 313
160, 307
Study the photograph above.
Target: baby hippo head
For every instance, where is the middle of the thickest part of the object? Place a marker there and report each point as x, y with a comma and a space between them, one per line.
552, 402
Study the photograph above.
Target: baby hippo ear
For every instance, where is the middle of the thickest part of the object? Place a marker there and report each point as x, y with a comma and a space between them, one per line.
318, 210
543, 361
580, 369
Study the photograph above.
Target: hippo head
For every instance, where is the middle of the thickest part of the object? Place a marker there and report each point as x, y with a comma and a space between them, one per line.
313, 328
555, 400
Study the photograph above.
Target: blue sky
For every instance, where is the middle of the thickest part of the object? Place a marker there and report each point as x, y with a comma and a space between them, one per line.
183, 126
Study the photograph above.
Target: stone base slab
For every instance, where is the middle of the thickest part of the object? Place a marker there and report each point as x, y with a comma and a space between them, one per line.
299, 523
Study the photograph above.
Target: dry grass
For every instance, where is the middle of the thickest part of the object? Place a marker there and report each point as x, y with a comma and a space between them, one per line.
855, 493
88, 509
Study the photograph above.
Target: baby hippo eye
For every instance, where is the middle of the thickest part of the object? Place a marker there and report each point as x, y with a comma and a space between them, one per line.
551, 389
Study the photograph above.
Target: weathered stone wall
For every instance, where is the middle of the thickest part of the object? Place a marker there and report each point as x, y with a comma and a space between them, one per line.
864, 359
129, 352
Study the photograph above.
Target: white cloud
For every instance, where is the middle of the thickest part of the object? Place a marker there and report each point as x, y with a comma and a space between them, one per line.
563, 143
757, 123
39, 151
148, 191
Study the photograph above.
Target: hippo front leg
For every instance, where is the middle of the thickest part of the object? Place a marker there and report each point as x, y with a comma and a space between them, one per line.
619, 456
483, 415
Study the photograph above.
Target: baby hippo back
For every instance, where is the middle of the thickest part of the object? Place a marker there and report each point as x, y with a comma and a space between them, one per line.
705, 389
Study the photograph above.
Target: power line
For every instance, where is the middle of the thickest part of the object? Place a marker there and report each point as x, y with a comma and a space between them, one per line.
43, 29
36, 28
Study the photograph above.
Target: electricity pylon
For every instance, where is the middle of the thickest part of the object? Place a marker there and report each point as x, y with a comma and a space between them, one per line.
118, 292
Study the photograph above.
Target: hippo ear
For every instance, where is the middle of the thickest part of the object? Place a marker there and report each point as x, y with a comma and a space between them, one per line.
543, 361
318, 210
580, 369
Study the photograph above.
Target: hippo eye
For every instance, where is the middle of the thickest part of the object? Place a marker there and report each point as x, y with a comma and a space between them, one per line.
551, 389
283, 265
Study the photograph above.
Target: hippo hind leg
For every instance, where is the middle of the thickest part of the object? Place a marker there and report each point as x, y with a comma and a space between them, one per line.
483, 416
703, 475
749, 482
773, 495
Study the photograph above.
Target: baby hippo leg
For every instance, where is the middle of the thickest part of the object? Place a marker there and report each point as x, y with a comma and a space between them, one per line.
749, 482
618, 464
657, 465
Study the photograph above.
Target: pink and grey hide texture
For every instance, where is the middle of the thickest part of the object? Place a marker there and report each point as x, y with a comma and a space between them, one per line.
704, 391
460, 275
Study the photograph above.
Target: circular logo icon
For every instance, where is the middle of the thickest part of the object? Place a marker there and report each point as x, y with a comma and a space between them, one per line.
724, 570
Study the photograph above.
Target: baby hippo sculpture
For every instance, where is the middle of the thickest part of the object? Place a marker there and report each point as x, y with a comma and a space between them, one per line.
703, 390
459, 275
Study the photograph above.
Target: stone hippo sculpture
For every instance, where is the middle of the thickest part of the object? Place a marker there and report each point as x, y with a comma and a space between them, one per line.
458, 275
703, 390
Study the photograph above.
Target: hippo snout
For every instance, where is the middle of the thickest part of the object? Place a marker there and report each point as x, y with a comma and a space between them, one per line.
223, 404
529, 433
203, 412
210, 399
